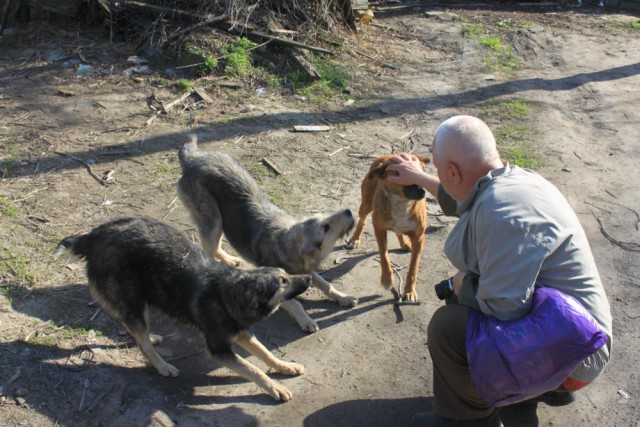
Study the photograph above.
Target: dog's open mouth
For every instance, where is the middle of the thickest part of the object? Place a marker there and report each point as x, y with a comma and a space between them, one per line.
414, 192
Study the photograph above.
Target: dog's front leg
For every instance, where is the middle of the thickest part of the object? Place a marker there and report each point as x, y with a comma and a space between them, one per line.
295, 310
386, 275
146, 341
417, 244
332, 293
250, 343
250, 372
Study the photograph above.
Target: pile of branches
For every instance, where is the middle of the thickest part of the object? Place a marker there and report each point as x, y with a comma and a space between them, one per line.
173, 18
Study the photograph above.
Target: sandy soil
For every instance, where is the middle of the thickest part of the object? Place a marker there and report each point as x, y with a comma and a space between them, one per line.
64, 362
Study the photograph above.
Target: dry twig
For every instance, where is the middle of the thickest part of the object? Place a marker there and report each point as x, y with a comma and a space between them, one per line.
627, 246
87, 165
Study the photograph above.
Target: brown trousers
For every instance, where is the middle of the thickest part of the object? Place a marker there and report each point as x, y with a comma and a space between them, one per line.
455, 395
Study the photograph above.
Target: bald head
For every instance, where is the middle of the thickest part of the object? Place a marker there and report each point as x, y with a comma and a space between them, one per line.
468, 141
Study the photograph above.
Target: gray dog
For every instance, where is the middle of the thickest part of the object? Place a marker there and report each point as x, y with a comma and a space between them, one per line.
222, 197
137, 263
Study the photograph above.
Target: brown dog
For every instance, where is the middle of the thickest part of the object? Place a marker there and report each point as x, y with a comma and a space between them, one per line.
398, 208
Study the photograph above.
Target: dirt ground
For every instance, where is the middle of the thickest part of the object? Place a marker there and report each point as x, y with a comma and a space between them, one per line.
65, 362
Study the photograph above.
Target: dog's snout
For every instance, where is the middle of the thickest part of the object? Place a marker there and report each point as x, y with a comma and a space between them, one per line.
347, 213
414, 192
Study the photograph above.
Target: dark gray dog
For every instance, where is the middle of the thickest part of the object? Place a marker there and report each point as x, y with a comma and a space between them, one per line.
223, 197
135, 263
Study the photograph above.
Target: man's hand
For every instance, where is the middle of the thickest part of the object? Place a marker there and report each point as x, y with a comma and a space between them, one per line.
408, 168
457, 282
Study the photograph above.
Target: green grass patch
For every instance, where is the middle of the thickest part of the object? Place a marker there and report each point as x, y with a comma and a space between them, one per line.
513, 135
9, 155
16, 266
520, 155
499, 55
236, 56
507, 109
185, 85
333, 79
209, 62
8, 209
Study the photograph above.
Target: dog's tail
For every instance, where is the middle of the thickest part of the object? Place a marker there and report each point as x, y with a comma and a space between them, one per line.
74, 247
188, 150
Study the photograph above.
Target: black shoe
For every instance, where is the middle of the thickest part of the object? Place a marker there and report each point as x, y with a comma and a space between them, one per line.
556, 398
431, 419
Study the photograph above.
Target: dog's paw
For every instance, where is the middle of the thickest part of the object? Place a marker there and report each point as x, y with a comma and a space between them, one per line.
352, 244
279, 392
386, 279
309, 325
410, 296
348, 301
168, 370
291, 368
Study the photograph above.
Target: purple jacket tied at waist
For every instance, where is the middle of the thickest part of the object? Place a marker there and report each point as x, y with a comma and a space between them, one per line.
513, 361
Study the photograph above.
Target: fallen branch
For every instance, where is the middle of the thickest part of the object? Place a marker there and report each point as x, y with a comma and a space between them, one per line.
627, 246
273, 167
225, 25
168, 106
87, 165
204, 23
101, 396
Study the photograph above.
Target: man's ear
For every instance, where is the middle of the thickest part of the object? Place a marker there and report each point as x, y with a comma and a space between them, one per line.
454, 171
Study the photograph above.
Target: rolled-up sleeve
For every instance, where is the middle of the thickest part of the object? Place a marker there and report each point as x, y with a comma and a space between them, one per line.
446, 202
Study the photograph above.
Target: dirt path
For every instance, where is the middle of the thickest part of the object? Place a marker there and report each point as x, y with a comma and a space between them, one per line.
369, 365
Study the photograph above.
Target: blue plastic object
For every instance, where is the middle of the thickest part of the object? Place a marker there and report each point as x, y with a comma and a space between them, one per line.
514, 361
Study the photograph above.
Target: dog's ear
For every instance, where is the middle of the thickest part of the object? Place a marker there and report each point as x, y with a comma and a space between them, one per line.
424, 160
377, 172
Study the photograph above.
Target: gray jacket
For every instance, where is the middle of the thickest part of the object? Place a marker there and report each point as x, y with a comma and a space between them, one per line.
517, 231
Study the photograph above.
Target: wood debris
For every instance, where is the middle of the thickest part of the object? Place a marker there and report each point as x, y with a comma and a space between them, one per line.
271, 166
312, 128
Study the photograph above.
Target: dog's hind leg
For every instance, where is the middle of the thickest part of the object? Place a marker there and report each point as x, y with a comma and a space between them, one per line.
211, 238
295, 310
332, 293
250, 372
251, 344
137, 327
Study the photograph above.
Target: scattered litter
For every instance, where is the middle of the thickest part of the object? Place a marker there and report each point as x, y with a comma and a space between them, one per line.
260, 91
71, 63
311, 128
349, 102
140, 69
56, 55
84, 70
107, 203
566, 169
137, 60
623, 393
